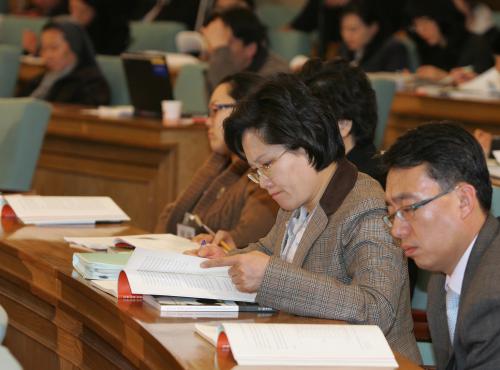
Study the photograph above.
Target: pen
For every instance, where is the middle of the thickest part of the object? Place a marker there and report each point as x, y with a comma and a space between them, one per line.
198, 221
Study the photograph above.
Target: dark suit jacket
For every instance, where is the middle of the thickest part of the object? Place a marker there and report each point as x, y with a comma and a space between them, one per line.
477, 334
84, 85
381, 55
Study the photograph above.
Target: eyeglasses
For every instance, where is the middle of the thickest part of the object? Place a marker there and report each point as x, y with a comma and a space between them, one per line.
407, 213
214, 108
256, 174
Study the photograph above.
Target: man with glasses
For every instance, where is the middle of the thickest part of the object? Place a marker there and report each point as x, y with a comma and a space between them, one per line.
439, 196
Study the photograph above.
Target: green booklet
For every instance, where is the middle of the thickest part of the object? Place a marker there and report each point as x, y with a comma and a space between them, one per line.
98, 265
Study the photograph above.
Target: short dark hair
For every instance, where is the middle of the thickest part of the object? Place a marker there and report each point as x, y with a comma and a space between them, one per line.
346, 91
450, 153
241, 84
283, 111
247, 27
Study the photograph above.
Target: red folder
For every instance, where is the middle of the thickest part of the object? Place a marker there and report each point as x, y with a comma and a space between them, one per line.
124, 291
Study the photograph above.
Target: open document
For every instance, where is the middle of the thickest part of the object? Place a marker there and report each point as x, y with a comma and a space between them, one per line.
54, 210
166, 272
302, 345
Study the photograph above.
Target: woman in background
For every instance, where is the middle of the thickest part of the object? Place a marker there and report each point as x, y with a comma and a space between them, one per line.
220, 192
72, 73
365, 42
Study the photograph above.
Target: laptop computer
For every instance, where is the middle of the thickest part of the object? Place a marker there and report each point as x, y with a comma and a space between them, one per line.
148, 81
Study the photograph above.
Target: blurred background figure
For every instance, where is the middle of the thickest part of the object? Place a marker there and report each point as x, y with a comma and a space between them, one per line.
105, 22
443, 43
72, 73
46, 8
221, 193
237, 41
478, 19
366, 42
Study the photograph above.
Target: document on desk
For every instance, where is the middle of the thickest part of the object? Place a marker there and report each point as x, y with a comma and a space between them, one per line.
56, 210
164, 272
303, 345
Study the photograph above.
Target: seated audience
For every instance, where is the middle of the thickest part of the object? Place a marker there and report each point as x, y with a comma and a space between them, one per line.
328, 255
478, 18
220, 193
346, 91
105, 22
237, 41
439, 196
443, 43
73, 75
364, 41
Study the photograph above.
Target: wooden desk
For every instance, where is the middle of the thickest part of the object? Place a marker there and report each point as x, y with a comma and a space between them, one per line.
410, 110
58, 321
138, 162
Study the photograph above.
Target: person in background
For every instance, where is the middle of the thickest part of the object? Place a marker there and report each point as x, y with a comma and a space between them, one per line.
237, 41
73, 75
105, 22
439, 197
478, 19
220, 192
328, 254
365, 43
443, 43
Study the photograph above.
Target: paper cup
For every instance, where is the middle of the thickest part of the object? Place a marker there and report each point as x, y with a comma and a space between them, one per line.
171, 110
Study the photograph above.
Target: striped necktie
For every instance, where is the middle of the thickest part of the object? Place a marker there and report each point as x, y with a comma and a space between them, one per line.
452, 301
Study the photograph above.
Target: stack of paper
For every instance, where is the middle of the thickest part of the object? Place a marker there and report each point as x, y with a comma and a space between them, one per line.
304, 345
47, 210
100, 265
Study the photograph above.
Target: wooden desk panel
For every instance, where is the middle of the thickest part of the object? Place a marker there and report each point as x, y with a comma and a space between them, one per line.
410, 110
58, 321
137, 162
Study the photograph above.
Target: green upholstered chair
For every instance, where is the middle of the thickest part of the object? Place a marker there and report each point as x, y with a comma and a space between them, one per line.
411, 49
190, 87
158, 35
495, 202
288, 44
276, 15
12, 27
9, 69
22, 129
384, 90
112, 69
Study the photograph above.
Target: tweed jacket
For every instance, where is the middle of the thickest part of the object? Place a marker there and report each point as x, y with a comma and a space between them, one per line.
476, 344
225, 199
346, 266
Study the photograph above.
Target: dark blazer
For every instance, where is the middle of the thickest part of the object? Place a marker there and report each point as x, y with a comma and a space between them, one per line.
470, 50
380, 55
84, 85
477, 334
346, 267
365, 158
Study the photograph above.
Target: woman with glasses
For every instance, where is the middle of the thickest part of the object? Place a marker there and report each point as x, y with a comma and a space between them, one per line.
220, 193
329, 254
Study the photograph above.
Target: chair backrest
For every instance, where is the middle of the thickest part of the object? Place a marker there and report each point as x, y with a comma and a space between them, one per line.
3, 323
12, 27
9, 69
191, 88
411, 49
112, 69
22, 129
288, 44
276, 15
384, 90
159, 35
495, 202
